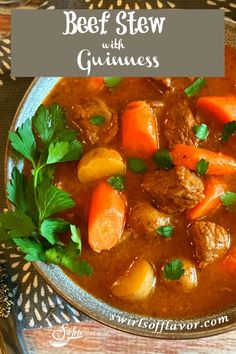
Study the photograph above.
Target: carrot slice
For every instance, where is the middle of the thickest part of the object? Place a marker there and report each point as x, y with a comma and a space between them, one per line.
222, 108
188, 156
139, 129
213, 190
229, 262
95, 84
106, 217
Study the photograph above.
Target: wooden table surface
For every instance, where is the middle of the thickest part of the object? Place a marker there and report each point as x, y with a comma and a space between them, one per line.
99, 339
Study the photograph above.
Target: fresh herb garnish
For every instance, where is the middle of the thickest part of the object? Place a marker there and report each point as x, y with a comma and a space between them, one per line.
16, 190
112, 81
16, 223
196, 86
201, 131
24, 142
202, 167
163, 159
97, 120
228, 130
49, 123
174, 269
136, 165
33, 249
63, 151
165, 231
50, 228
31, 226
117, 182
228, 198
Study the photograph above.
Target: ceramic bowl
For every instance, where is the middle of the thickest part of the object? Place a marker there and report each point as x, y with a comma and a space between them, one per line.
85, 302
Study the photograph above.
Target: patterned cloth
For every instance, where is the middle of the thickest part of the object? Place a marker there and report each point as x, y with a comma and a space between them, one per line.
36, 304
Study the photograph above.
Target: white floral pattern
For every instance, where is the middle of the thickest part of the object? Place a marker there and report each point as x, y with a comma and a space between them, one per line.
47, 5
5, 58
138, 4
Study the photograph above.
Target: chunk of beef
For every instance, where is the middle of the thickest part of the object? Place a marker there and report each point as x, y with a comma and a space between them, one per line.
145, 218
92, 107
179, 123
211, 241
164, 83
157, 107
175, 190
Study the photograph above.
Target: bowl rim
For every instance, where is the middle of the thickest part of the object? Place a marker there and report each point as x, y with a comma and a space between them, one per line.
98, 309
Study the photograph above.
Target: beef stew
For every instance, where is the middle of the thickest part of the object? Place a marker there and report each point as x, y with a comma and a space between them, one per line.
173, 238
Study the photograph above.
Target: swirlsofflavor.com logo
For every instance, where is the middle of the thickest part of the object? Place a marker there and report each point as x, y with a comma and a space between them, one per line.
61, 337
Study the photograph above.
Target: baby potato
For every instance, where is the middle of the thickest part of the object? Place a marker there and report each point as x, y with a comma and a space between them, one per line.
98, 163
189, 279
137, 283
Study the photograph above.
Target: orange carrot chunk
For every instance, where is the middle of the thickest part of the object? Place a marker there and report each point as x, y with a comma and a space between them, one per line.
139, 129
222, 108
229, 262
213, 190
106, 217
189, 156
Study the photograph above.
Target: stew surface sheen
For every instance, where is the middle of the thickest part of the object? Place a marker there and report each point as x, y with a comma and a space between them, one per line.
216, 289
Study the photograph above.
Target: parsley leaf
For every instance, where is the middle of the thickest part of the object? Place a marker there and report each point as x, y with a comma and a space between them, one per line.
136, 165
31, 202
202, 167
201, 131
59, 256
228, 198
16, 190
33, 249
52, 200
36, 198
75, 151
117, 182
63, 151
97, 120
57, 151
165, 231
196, 86
76, 237
20, 192
228, 130
50, 227
66, 135
23, 141
173, 270
41, 123
163, 159
16, 223
54, 255
48, 122
4, 237
112, 81
78, 266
